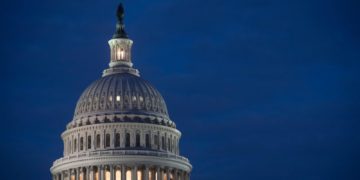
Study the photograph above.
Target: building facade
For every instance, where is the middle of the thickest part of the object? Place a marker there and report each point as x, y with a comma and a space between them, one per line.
121, 129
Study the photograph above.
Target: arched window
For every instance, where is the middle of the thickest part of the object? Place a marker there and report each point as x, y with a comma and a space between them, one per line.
89, 142
81, 143
120, 54
81, 176
163, 142
139, 175
117, 140
147, 140
171, 176
107, 174
98, 141
164, 175
117, 174
96, 174
137, 140
107, 140
128, 175
127, 140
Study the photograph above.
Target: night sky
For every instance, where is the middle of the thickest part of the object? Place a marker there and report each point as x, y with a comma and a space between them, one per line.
260, 89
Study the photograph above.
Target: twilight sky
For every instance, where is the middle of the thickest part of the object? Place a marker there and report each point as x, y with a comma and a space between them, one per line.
261, 89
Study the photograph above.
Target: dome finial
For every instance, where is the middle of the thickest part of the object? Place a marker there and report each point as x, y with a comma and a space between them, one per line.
120, 27
120, 13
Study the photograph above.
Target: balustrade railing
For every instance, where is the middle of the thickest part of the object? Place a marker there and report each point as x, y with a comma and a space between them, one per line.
119, 152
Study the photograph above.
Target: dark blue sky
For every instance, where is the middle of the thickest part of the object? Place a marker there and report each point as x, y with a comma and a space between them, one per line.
261, 89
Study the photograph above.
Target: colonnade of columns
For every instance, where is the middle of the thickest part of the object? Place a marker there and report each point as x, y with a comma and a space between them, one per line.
122, 172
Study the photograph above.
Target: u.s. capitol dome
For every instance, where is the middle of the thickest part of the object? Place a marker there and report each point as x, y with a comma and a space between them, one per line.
121, 129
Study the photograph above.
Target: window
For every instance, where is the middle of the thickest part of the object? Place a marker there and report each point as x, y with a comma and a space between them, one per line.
164, 175
118, 174
137, 140
107, 140
120, 54
81, 143
127, 141
128, 175
118, 98
98, 141
96, 175
171, 176
139, 175
89, 142
117, 140
147, 140
107, 174
110, 98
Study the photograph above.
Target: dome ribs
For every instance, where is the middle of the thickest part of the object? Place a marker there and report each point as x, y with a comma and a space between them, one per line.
120, 97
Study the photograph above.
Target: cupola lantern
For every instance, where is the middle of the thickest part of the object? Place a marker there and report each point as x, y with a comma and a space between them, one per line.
120, 48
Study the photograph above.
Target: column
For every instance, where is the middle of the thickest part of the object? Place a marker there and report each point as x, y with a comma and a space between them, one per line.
91, 173
69, 174
134, 173
102, 145
62, 175
122, 139
93, 140
175, 174
112, 172
181, 175
142, 139
76, 173
146, 175
78, 143
112, 139
161, 177
167, 174
102, 169
86, 174
153, 174
65, 146
123, 175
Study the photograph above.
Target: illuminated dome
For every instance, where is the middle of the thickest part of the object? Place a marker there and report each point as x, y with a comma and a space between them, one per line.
120, 95
121, 128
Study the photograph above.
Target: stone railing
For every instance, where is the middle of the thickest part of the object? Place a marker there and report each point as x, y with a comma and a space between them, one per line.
120, 153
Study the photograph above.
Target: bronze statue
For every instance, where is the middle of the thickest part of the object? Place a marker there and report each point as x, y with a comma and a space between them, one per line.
120, 27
